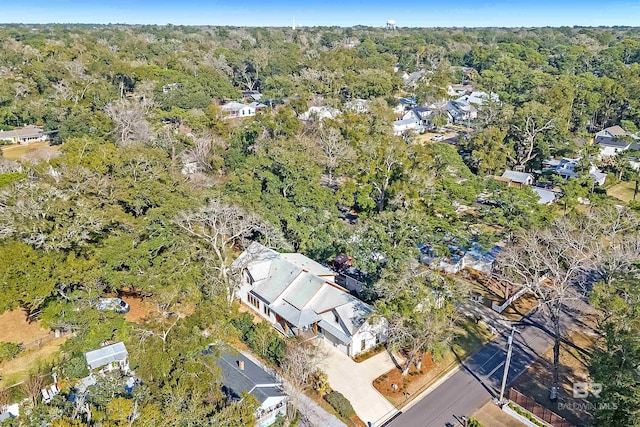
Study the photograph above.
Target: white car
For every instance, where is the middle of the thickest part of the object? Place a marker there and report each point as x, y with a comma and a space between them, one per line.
115, 304
437, 138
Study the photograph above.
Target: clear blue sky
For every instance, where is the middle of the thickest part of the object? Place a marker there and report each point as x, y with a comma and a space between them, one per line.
413, 13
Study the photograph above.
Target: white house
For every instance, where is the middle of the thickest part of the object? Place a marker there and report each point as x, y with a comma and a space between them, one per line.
612, 141
23, 135
234, 110
566, 169
411, 123
299, 296
108, 358
324, 112
241, 373
478, 98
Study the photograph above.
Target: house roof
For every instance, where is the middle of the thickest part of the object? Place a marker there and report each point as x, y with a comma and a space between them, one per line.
613, 131
519, 177
545, 196
289, 284
105, 355
308, 264
25, 132
252, 378
233, 106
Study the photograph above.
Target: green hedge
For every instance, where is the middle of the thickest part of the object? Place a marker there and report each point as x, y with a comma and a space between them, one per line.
340, 403
528, 415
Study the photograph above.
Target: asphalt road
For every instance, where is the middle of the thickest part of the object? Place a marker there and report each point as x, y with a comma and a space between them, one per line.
477, 381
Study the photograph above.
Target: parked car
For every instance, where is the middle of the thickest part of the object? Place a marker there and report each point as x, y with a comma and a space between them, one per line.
114, 304
437, 138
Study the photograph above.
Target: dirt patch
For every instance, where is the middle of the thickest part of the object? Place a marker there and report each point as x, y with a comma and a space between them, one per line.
140, 309
536, 382
15, 327
18, 369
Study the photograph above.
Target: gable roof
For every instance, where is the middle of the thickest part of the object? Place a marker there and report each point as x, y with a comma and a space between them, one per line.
291, 287
105, 355
233, 106
613, 131
519, 177
252, 378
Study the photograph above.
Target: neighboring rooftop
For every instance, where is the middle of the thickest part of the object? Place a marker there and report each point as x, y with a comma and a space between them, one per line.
25, 132
519, 177
240, 374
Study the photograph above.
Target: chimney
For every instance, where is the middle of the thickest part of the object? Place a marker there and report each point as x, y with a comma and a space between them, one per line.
241, 365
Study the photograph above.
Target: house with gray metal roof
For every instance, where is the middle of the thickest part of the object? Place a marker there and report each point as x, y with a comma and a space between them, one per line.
517, 179
299, 297
108, 358
241, 373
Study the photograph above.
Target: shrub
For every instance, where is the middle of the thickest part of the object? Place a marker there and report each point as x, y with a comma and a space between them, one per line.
528, 415
9, 350
474, 423
261, 338
320, 382
340, 403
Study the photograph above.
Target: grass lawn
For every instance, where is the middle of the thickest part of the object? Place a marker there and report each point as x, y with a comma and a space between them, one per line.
472, 337
18, 369
536, 381
18, 151
491, 415
622, 191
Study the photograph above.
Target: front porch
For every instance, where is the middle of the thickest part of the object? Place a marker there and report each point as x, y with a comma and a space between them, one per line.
289, 331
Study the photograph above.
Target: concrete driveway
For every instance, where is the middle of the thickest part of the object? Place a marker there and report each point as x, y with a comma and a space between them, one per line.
354, 381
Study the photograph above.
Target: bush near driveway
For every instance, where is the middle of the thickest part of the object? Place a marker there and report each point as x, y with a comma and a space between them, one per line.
340, 404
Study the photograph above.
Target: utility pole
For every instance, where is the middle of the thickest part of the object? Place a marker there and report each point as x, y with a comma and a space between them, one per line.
507, 363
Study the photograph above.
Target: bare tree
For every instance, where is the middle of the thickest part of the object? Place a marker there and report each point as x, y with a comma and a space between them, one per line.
203, 149
129, 120
552, 264
222, 227
334, 150
300, 362
529, 131
32, 386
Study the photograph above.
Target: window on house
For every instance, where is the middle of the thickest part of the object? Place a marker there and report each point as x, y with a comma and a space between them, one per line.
363, 344
253, 301
377, 339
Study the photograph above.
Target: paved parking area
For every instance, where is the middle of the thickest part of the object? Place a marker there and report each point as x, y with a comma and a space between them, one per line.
354, 381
